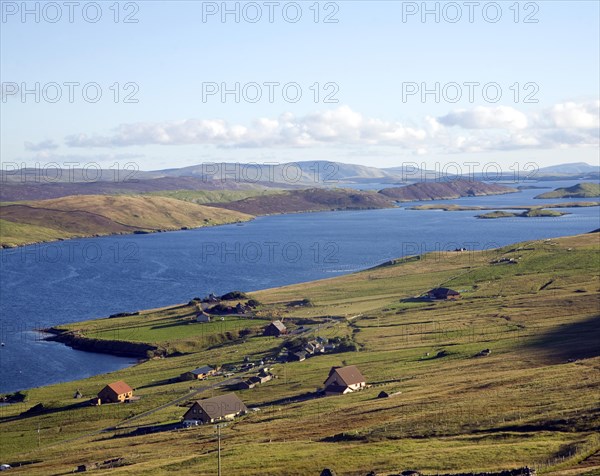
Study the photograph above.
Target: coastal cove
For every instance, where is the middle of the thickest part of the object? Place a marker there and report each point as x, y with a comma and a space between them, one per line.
55, 283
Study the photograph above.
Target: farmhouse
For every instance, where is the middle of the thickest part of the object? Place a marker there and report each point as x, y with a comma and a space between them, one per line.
199, 373
275, 329
210, 410
443, 293
115, 392
344, 380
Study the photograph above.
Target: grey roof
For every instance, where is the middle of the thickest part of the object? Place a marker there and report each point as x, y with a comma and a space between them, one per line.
218, 407
442, 292
202, 370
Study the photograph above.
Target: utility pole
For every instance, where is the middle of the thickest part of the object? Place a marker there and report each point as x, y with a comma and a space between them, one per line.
219, 449
219, 425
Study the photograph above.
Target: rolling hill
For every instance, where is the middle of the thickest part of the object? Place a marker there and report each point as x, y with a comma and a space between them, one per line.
94, 215
444, 190
309, 200
581, 190
32, 184
573, 168
15, 191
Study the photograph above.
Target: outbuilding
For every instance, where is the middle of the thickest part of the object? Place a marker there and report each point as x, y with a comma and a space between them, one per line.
199, 373
275, 329
443, 293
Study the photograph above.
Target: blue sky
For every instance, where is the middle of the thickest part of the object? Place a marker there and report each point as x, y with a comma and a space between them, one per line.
369, 56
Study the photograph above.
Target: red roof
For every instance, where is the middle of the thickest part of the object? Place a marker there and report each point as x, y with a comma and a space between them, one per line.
119, 387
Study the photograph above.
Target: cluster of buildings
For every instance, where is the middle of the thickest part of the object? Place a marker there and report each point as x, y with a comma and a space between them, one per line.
319, 345
340, 381
262, 377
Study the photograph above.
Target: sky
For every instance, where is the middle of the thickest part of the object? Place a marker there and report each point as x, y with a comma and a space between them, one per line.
379, 83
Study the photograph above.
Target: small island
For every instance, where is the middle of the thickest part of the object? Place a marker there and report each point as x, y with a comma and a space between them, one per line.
528, 211
532, 213
444, 190
451, 207
581, 190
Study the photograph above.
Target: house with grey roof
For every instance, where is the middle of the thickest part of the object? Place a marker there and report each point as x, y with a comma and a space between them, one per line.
215, 409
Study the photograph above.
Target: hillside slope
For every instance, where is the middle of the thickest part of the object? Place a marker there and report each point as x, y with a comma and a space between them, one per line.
444, 190
581, 190
91, 215
531, 399
309, 200
16, 191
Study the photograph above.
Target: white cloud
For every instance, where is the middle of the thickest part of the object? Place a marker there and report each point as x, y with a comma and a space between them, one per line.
571, 115
47, 144
337, 126
501, 117
480, 129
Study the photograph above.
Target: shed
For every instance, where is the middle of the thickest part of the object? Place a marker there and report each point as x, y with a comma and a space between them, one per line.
199, 373
297, 356
275, 329
443, 293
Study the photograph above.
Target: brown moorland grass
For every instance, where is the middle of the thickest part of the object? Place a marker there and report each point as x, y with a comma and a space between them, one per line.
90, 215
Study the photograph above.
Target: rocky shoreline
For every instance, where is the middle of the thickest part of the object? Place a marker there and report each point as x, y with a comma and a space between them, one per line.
103, 346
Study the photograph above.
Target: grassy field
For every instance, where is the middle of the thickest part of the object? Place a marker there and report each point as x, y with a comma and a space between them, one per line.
202, 197
92, 215
532, 401
17, 234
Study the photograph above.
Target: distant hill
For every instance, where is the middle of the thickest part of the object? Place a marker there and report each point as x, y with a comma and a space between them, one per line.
92, 215
572, 168
14, 191
306, 173
51, 174
30, 184
581, 190
309, 200
444, 190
